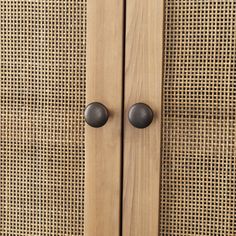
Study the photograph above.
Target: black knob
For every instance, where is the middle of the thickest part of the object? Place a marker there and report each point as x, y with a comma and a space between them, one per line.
140, 115
96, 114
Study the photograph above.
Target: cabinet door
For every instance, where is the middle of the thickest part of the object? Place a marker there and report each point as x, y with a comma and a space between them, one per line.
179, 173
49, 159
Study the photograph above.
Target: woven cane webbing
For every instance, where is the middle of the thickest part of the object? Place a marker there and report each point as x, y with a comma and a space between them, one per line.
198, 167
42, 90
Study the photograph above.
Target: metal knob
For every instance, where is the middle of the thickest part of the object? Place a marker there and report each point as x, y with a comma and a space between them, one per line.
140, 115
96, 114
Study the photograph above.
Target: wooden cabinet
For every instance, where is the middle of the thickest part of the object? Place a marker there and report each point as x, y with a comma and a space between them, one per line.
166, 65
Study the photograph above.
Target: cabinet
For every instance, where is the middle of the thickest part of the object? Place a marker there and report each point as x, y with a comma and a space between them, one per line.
166, 65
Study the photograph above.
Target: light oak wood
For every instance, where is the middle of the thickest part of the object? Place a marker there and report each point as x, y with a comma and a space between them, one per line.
103, 145
142, 148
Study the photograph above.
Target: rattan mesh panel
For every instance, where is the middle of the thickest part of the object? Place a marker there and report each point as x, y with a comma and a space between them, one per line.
198, 167
42, 91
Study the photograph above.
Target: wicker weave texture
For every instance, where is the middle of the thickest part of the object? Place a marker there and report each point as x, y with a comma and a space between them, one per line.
42, 90
198, 167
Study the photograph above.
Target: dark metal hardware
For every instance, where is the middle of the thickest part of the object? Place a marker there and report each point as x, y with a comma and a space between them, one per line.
96, 114
140, 115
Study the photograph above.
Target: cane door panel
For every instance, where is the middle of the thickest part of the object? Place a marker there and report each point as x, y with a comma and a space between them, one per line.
198, 167
42, 130
196, 138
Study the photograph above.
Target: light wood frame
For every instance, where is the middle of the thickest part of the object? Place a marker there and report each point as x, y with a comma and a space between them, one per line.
103, 145
142, 147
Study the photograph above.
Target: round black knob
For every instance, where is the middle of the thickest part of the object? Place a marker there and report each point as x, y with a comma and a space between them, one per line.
140, 115
96, 114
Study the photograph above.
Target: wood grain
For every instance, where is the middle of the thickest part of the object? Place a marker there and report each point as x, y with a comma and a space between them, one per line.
103, 145
143, 83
